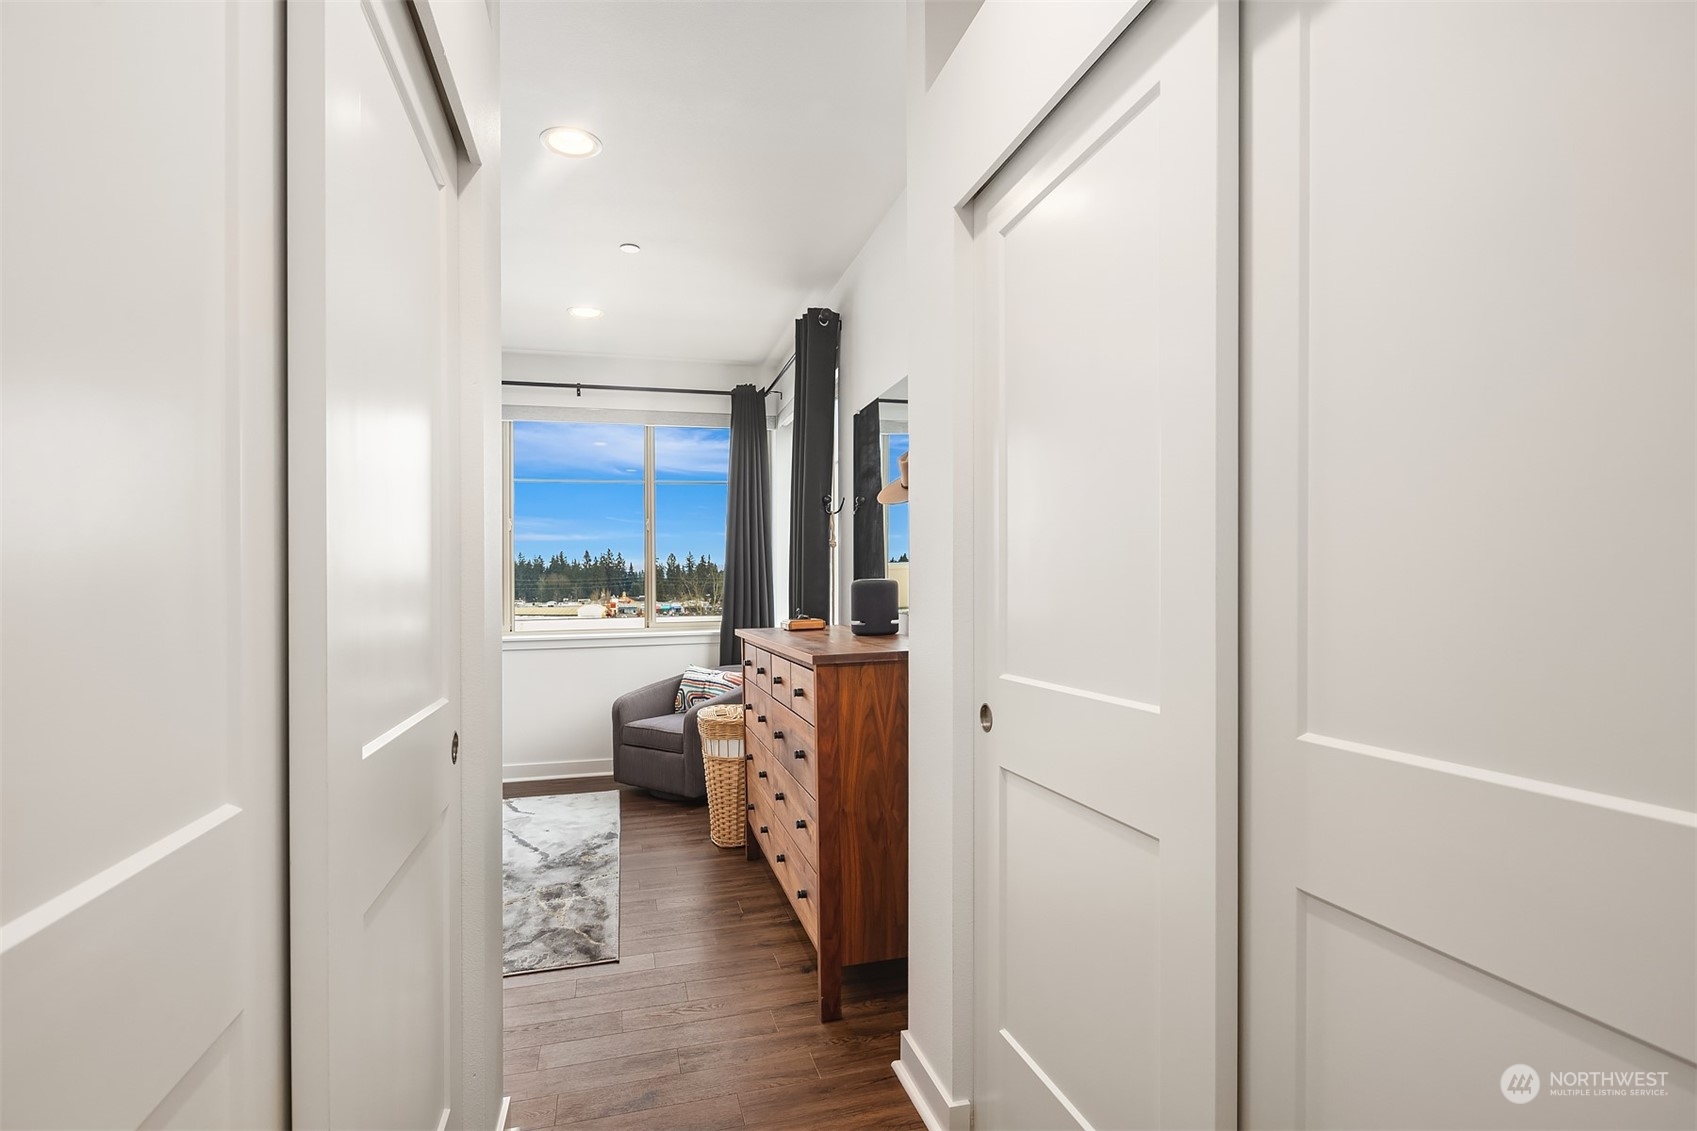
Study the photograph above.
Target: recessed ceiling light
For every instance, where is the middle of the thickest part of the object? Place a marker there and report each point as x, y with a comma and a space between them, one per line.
630, 248
570, 141
584, 311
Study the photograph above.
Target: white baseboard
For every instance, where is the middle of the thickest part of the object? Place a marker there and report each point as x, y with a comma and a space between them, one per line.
535, 771
501, 1120
929, 1096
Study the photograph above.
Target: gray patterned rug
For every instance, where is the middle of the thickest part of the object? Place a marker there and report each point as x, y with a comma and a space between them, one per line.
560, 881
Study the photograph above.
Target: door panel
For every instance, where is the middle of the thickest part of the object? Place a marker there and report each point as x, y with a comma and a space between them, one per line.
373, 619
1106, 595
142, 880
1470, 625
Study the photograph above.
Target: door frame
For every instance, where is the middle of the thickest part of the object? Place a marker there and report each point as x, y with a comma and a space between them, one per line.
1011, 66
462, 42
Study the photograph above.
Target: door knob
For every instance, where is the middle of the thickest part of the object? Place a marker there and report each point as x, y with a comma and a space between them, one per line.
454, 750
985, 718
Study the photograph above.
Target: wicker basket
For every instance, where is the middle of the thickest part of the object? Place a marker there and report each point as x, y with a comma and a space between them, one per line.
727, 781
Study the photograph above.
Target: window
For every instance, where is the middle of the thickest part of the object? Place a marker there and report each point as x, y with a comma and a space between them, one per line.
615, 526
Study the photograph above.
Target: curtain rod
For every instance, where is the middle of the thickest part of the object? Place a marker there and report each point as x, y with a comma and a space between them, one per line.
782, 369
580, 386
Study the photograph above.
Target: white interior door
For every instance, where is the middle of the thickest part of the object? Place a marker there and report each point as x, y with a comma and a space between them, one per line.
373, 541
1106, 590
143, 971
1470, 754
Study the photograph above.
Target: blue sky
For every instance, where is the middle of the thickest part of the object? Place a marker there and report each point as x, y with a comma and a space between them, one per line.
578, 487
896, 515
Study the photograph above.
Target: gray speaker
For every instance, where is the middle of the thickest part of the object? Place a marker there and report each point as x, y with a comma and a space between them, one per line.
872, 607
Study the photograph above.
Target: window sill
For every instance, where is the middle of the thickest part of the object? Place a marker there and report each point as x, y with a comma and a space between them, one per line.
633, 638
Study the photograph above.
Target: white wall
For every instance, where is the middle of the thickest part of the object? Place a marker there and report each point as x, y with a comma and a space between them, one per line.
872, 297
558, 689
559, 696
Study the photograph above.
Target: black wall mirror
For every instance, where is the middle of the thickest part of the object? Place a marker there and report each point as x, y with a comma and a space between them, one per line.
881, 532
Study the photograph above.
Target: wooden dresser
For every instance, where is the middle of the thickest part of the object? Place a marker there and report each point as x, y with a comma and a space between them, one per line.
826, 738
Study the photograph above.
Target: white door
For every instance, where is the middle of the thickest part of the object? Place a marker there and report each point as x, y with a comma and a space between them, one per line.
373, 543
1106, 590
1470, 754
143, 970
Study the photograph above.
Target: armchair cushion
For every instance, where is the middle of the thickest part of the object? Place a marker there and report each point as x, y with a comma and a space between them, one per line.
662, 732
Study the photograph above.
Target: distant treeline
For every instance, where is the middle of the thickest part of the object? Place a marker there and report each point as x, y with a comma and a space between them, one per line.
592, 578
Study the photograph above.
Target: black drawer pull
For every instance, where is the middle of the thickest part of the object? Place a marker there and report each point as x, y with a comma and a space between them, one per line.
749, 756
777, 734
798, 754
751, 806
760, 718
762, 828
759, 671
777, 797
762, 773
779, 858
748, 663
777, 679
799, 692
801, 824
802, 894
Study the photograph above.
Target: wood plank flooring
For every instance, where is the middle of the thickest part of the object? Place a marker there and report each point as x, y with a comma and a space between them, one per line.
710, 1018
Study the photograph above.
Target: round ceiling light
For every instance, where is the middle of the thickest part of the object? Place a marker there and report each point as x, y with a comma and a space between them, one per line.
571, 141
630, 248
584, 311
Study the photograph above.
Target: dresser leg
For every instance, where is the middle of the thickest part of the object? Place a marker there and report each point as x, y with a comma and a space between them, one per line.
830, 991
748, 840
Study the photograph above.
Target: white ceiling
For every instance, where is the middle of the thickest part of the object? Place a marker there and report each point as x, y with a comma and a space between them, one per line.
750, 148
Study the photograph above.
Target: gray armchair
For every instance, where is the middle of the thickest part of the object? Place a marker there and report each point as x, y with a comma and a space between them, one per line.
656, 749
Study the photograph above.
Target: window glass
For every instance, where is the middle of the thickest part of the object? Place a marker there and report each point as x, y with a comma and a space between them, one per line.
691, 471
578, 532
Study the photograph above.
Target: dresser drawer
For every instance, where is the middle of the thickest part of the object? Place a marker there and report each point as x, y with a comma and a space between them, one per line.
793, 808
779, 685
762, 718
793, 742
761, 672
800, 696
801, 888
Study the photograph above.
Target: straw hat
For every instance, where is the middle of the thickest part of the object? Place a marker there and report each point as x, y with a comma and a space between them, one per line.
895, 491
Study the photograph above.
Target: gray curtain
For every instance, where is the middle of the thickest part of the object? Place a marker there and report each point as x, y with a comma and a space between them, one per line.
748, 524
812, 460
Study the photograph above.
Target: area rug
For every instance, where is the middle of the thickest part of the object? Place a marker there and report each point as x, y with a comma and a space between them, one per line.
560, 881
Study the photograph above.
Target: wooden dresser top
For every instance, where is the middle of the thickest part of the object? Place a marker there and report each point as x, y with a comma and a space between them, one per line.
836, 644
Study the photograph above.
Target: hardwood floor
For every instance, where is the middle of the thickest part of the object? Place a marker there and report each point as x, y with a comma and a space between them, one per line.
710, 1017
